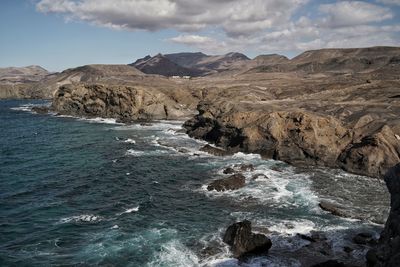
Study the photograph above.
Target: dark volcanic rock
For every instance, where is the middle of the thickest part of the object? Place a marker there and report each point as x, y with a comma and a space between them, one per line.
332, 208
297, 136
229, 170
245, 167
330, 263
243, 242
41, 110
364, 239
233, 182
387, 253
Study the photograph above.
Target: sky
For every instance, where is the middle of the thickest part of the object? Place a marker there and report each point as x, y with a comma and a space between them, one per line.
60, 34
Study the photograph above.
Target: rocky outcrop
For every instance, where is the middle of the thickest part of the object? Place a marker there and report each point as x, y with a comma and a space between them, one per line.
295, 136
372, 154
333, 209
387, 253
233, 182
125, 103
243, 242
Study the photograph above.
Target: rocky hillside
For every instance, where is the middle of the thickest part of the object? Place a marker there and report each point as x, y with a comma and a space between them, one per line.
17, 82
22, 74
350, 60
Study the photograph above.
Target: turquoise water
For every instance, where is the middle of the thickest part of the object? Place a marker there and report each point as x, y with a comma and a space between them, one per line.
93, 192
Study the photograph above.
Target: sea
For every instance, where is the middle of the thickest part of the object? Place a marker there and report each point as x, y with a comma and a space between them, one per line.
94, 192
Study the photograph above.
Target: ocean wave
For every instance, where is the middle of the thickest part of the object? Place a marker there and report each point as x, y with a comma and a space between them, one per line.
139, 153
100, 120
174, 253
130, 210
130, 141
89, 218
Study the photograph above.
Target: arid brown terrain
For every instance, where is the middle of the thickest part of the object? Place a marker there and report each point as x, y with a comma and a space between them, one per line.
333, 107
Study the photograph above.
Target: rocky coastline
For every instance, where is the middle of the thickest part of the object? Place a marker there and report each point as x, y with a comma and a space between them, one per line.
298, 137
351, 125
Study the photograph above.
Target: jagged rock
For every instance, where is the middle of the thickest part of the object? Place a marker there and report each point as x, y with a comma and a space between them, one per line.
332, 208
372, 154
243, 242
229, 170
215, 151
364, 239
297, 136
233, 182
41, 110
245, 167
387, 252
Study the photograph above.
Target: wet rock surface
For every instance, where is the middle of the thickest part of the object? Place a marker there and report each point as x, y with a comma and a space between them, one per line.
245, 243
232, 182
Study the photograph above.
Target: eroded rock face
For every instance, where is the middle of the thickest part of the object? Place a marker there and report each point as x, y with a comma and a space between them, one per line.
125, 103
387, 253
372, 154
296, 136
233, 182
243, 242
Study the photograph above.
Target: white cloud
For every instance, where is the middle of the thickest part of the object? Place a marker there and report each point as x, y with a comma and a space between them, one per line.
390, 2
237, 17
353, 13
261, 26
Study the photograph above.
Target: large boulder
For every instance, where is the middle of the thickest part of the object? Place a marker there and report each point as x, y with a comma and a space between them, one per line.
232, 182
243, 242
387, 253
333, 208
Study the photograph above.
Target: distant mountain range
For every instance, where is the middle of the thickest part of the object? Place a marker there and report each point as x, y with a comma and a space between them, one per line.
36, 82
188, 64
323, 60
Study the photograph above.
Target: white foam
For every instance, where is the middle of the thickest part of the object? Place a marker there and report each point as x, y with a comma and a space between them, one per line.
240, 155
81, 218
101, 120
27, 107
293, 227
130, 141
174, 253
135, 153
139, 153
130, 210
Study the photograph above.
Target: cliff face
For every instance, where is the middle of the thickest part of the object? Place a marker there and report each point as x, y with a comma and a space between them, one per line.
387, 253
296, 136
126, 103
